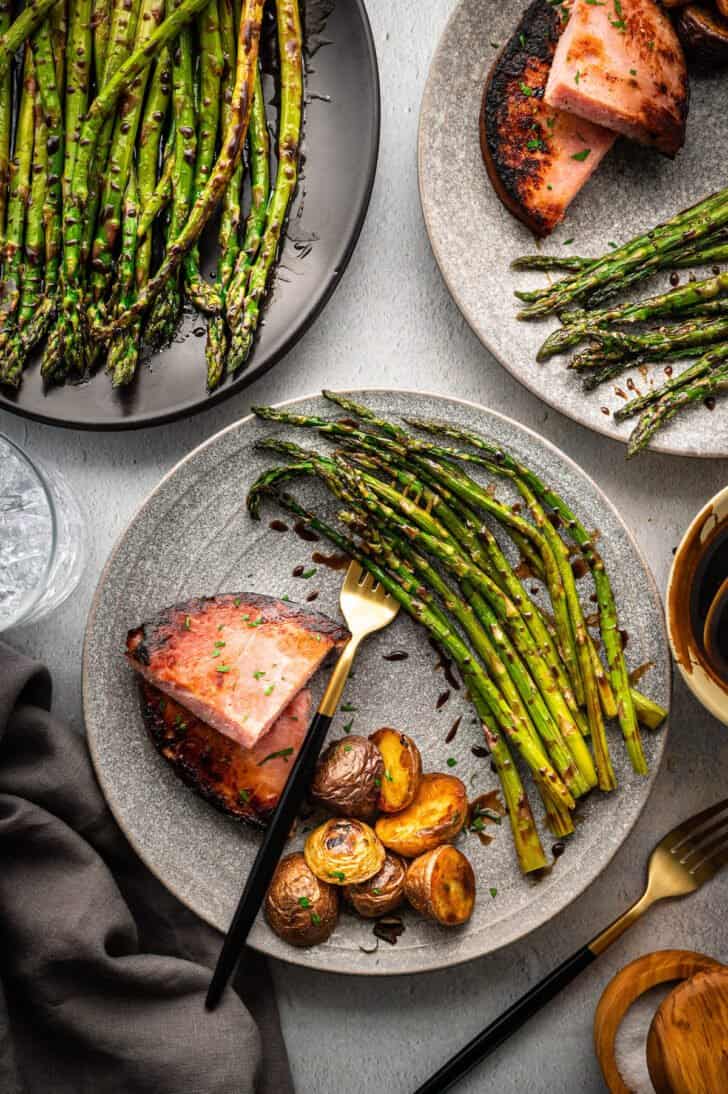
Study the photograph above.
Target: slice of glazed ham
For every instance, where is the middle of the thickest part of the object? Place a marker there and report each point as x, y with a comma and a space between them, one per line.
538, 158
234, 661
244, 783
620, 64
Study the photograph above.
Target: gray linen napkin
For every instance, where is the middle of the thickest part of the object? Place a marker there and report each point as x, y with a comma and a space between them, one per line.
102, 972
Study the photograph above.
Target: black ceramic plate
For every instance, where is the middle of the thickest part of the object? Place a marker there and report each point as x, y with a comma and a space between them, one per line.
341, 140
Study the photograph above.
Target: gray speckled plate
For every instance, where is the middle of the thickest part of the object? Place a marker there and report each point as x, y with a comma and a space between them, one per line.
475, 239
193, 536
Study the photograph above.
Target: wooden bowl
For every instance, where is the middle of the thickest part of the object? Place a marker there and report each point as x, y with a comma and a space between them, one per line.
671, 1057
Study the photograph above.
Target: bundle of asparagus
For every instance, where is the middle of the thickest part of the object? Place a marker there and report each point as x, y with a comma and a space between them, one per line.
413, 517
132, 122
691, 320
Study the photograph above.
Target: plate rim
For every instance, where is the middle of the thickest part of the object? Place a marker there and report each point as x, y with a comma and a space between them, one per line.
247, 377
302, 958
657, 445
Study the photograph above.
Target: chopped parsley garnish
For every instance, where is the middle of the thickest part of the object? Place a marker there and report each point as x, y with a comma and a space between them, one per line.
493, 892
308, 573
215, 653
377, 782
613, 245
245, 616
282, 753
551, 121
581, 156
347, 727
347, 748
236, 601
338, 874
451, 761
258, 674
219, 644
347, 707
535, 145
316, 919
244, 796
527, 91
618, 24
577, 76
179, 723
568, 241
389, 776
633, 72
256, 622
522, 40
286, 598
549, 186
650, 45
222, 668
269, 689
304, 902
188, 622
377, 892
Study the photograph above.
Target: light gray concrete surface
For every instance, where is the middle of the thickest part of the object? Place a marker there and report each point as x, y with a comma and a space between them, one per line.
392, 323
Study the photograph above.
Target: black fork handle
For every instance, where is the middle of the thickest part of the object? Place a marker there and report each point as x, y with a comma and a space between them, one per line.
263, 868
511, 1020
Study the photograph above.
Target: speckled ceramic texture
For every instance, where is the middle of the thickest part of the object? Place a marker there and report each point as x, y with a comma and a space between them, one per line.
193, 536
475, 239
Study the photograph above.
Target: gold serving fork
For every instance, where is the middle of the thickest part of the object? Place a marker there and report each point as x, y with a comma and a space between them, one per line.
367, 608
687, 857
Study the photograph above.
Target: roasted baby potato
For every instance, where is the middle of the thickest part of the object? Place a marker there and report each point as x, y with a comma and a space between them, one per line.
441, 886
436, 815
380, 894
704, 35
344, 852
299, 907
348, 778
402, 769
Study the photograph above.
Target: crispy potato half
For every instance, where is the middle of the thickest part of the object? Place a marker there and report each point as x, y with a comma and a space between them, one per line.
441, 886
344, 851
301, 909
402, 769
435, 816
348, 778
380, 894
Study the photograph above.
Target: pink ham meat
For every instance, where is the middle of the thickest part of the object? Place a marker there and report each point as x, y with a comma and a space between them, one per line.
234, 661
537, 157
244, 783
619, 64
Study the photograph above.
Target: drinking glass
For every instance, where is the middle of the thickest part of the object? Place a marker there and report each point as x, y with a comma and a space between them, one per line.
42, 538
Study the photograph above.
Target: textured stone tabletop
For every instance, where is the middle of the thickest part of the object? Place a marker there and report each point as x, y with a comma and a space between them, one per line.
392, 323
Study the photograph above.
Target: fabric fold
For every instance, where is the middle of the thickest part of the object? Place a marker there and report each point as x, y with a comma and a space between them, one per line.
103, 972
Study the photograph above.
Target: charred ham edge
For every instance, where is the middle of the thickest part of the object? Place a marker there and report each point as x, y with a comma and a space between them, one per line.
244, 784
235, 660
620, 64
537, 157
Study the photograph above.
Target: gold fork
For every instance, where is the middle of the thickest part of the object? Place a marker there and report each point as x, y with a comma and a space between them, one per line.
367, 608
687, 857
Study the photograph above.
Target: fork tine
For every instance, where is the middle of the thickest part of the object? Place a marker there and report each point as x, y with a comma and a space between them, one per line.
697, 844
710, 849
354, 573
689, 827
710, 865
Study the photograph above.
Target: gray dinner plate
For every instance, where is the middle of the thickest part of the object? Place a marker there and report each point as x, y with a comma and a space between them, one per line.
193, 537
475, 239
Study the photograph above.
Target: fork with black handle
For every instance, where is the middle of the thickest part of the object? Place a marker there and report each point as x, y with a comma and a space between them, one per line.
681, 863
366, 608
